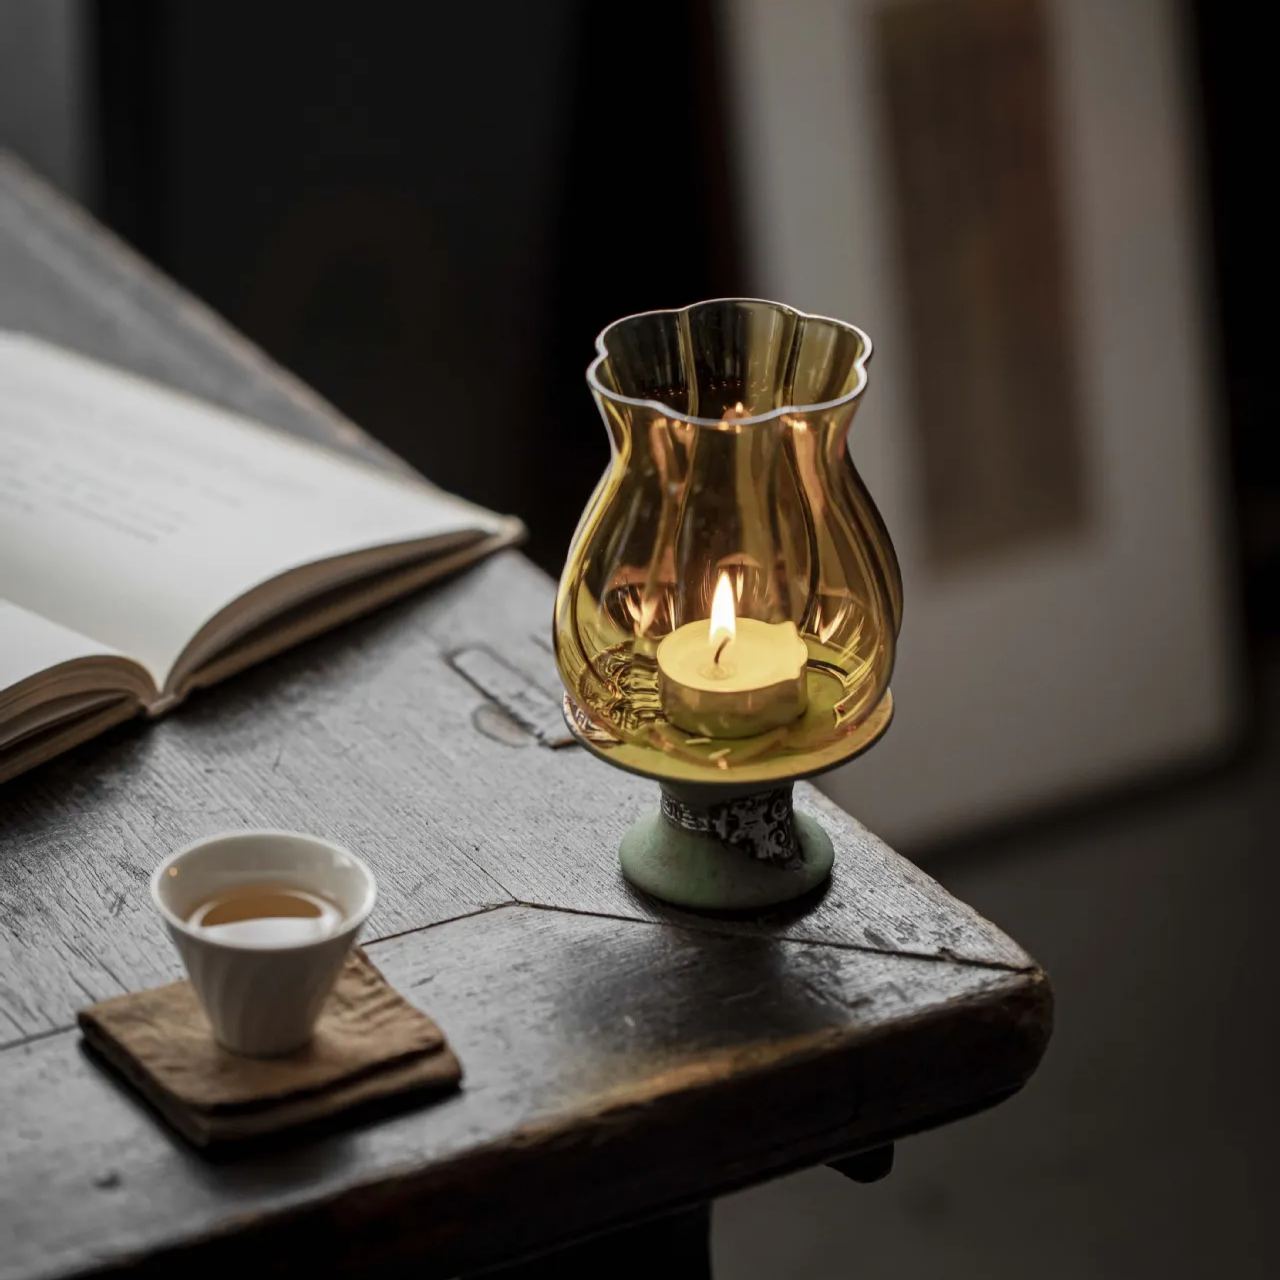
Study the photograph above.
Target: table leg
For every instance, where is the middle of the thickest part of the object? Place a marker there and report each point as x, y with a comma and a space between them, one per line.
866, 1166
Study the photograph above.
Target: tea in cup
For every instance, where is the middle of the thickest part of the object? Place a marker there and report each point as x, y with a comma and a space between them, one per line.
263, 921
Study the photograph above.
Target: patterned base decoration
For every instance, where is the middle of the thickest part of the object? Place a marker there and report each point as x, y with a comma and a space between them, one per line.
762, 824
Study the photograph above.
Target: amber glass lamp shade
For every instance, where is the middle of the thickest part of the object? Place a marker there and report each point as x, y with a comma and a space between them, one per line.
727, 423
728, 613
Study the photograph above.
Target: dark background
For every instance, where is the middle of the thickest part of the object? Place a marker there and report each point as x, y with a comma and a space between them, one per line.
429, 218
430, 212
1235, 112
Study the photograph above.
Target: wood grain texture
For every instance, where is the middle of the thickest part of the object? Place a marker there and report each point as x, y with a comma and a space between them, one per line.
622, 1059
369, 737
613, 1070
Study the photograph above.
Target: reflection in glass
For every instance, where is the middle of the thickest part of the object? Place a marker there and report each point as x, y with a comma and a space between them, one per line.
728, 423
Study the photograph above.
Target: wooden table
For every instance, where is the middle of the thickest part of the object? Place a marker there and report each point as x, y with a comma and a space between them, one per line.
622, 1060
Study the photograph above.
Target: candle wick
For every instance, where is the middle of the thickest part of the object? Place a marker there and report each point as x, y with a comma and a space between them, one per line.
720, 649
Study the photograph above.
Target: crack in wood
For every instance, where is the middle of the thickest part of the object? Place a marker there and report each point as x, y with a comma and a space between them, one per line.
435, 924
44, 1034
943, 956
34, 1036
687, 926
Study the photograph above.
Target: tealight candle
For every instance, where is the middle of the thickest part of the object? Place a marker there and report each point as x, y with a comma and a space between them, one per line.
731, 677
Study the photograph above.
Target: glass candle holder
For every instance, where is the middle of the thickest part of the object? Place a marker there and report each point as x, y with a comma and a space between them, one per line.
728, 612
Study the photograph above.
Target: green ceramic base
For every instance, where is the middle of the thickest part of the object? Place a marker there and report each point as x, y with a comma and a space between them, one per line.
688, 869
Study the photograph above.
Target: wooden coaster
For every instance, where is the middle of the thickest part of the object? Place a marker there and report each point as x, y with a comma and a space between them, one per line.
370, 1046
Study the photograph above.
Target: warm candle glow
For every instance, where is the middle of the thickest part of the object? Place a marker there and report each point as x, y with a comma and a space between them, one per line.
721, 677
724, 617
729, 425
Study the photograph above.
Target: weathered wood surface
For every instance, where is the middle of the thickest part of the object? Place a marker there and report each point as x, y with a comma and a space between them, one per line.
622, 1059
613, 1068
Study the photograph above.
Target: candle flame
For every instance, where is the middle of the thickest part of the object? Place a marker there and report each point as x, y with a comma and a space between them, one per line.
724, 618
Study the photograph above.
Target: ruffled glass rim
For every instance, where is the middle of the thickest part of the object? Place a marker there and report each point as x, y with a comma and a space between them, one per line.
822, 406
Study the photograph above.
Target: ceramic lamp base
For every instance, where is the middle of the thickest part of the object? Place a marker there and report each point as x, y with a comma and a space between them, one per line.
715, 852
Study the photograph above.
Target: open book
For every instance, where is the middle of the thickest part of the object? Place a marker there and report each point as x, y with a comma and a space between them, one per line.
151, 544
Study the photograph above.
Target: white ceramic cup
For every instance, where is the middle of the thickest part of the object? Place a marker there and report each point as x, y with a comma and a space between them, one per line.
262, 1000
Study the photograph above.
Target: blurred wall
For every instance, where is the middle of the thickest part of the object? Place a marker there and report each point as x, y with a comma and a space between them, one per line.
44, 89
1073, 654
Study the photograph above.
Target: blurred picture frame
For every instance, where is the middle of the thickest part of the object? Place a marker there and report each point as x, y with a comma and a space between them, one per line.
1005, 194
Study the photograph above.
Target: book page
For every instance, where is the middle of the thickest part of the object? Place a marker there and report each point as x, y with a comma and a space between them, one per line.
50, 676
131, 514
31, 645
